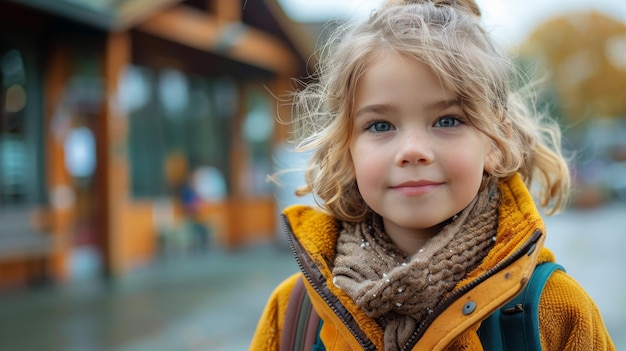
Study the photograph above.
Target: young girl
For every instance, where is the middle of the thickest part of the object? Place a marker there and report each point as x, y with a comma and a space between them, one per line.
423, 156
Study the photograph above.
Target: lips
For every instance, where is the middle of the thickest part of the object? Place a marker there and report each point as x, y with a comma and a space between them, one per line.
416, 183
418, 187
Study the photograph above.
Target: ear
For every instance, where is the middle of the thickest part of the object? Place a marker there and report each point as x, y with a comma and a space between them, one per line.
492, 159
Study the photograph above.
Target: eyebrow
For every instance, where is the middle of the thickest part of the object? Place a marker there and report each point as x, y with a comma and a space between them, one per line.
376, 108
444, 104
386, 108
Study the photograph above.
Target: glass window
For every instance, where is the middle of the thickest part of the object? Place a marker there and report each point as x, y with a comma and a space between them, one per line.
179, 131
21, 177
258, 128
146, 145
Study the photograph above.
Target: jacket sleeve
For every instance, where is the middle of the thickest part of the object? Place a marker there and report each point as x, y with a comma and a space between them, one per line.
569, 319
268, 331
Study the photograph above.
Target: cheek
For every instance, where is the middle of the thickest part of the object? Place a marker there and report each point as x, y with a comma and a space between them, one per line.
361, 165
367, 168
470, 162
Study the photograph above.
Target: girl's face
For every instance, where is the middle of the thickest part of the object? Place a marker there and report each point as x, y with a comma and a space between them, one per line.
417, 160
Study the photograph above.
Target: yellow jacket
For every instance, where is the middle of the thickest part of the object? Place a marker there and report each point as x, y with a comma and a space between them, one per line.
568, 318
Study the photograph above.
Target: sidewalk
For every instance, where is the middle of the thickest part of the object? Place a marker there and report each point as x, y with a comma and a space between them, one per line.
193, 303
213, 302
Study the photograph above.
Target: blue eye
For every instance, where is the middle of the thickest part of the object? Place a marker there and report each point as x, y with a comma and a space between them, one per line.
380, 127
447, 122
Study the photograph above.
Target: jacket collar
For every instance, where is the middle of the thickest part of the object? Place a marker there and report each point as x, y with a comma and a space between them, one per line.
313, 236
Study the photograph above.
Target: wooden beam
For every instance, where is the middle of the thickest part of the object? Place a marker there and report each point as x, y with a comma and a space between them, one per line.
112, 135
132, 12
117, 17
234, 40
59, 218
227, 11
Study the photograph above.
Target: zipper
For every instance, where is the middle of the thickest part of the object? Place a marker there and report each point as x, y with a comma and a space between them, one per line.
527, 248
365, 344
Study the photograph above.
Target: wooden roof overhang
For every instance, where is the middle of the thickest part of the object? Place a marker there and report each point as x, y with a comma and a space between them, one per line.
254, 33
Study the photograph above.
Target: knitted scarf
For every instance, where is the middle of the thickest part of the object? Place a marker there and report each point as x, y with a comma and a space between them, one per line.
400, 290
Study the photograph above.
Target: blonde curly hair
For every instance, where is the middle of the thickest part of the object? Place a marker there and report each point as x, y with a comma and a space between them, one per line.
449, 38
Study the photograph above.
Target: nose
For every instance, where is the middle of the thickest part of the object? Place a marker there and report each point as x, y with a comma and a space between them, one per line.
414, 148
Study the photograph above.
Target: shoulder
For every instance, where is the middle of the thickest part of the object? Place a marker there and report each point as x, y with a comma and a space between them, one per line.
280, 296
569, 319
268, 330
562, 295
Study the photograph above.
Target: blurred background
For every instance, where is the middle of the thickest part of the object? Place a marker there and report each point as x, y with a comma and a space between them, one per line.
136, 137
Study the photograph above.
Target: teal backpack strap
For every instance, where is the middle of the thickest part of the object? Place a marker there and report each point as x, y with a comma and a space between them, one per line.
302, 323
515, 326
319, 345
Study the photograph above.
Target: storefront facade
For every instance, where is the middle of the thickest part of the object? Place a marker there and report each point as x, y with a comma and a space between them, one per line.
111, 115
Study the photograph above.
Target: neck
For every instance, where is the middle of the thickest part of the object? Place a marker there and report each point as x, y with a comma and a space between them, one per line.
407, 240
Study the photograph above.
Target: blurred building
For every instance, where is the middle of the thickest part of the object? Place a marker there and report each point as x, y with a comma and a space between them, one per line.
122, 121
581, 62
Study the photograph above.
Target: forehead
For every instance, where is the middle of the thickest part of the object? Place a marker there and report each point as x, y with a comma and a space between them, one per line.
395, 78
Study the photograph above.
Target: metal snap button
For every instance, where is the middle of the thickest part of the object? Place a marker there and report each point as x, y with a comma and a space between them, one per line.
469, 308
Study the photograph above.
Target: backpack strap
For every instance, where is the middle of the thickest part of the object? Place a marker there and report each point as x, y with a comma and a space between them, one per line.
515, 326
302, 323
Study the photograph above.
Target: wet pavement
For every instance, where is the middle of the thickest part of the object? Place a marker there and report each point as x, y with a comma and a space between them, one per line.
209, 302
213, 301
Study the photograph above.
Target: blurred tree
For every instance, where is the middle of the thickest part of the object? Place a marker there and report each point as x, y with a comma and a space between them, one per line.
584, 55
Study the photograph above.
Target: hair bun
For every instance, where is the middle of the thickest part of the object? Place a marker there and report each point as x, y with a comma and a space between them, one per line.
467, 5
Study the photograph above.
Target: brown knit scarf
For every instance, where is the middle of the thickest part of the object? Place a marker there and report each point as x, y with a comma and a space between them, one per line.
400, 291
